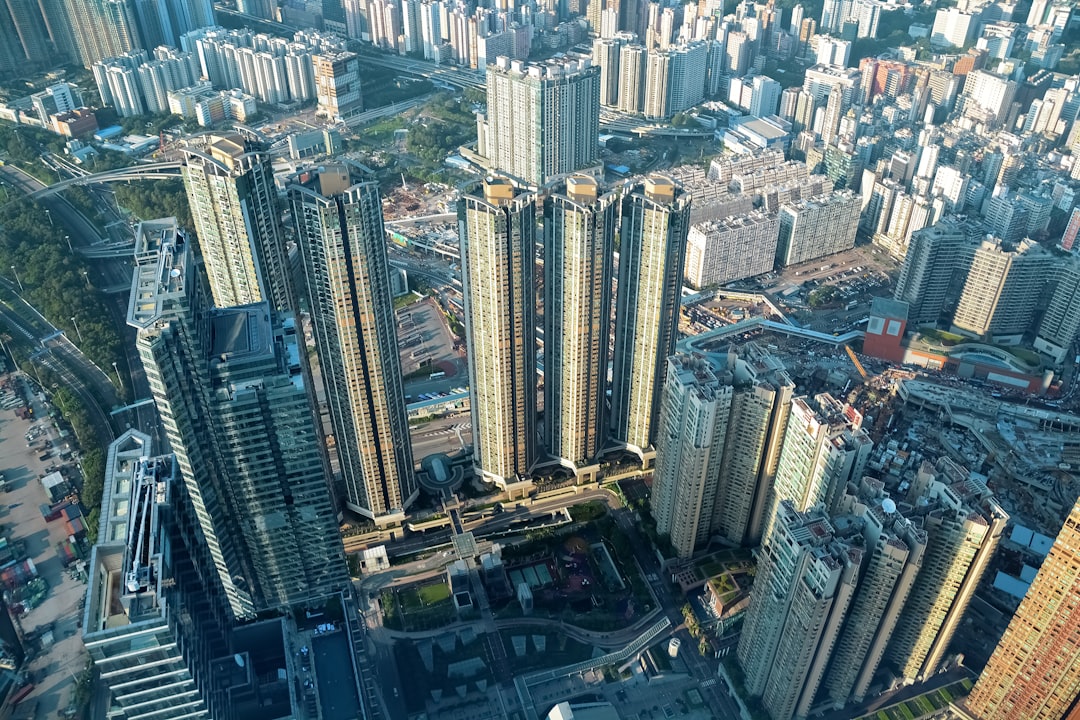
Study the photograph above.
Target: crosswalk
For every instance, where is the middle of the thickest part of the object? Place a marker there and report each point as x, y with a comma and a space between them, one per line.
708, 683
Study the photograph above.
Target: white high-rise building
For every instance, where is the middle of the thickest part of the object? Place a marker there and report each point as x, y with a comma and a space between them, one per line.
824, 448
694, 413
953, 27
964, 525
731, 248
1060, 326
934, 255
543, 120
805, 581
817, 227
1002, 291
765, 96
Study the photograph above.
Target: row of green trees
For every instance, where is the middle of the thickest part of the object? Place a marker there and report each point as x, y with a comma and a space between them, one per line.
54, 280
74, 412
160, 198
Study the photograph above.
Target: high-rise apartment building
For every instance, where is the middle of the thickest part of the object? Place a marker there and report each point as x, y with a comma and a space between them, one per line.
148, 625
1034, 673
694, 414
337, 85
632, 62
1060, 325
229, 388
579, 224
497, 232
342, 247
805, 581
721, 422
935, 256
893, 547
987, 97
824, 448
963, 524
817, 227
102, 28
953, 27
732, 248
1002, 290
655, 223
230, 188
606, 57
543, 119
25, 35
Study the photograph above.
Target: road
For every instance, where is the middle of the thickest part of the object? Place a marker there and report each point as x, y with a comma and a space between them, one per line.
445, 435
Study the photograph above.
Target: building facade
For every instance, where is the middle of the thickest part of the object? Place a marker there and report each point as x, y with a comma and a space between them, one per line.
963, 524
579, 224
805, 582
337, 85
1034, 672
1002, 290
233, 200
824, 448
655, 223
731, 248
817, 227
230, 392
497, 231
542, 119
694, 413
342, 247
145, 624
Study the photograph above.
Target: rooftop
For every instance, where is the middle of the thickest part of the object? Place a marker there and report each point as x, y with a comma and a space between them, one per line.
160, 278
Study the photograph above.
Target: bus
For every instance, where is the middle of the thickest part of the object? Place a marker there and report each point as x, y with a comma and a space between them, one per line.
436, 375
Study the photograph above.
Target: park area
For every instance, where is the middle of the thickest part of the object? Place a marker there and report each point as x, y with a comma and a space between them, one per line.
421, 606
586, 577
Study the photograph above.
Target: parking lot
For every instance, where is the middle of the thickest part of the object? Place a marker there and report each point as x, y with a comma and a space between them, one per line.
429, 362
52, 629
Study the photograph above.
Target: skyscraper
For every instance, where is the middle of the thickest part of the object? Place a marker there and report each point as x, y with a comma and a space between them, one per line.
230, 188
343, 250
1060, 325
934, 254
632, 61
655, 223
580, 227
964, 524
148, 625
805, 581
102, 28
824, 448
542, 119
228, 386
693, 423
497, 232
1002, 290
337, 85
1034, 673
894, 546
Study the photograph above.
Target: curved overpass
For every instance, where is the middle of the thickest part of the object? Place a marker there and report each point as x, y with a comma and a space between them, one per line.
153, 171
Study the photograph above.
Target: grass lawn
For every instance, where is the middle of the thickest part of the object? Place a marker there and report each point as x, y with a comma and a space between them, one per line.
434, 593
941, 336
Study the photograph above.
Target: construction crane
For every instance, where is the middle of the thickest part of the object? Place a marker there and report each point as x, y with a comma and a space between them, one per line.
855, 361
